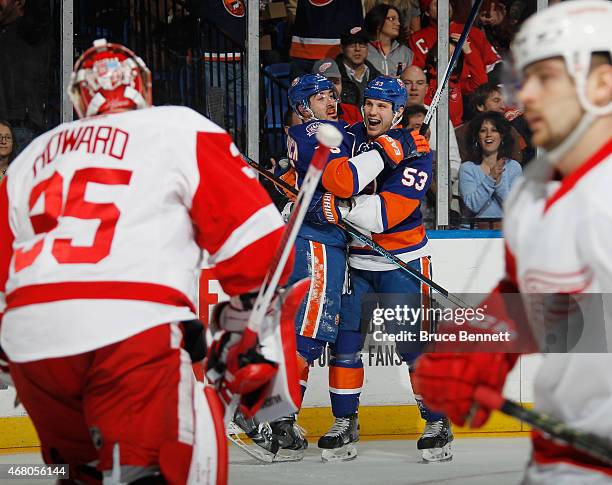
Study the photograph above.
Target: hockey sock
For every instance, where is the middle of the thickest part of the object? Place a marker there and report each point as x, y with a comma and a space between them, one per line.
345, 383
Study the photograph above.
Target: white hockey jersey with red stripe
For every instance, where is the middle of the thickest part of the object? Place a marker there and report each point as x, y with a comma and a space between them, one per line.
559, 236
103, 222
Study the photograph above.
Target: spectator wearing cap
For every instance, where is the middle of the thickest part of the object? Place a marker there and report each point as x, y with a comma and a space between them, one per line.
382, 23
329, 68
355, 69
317, 29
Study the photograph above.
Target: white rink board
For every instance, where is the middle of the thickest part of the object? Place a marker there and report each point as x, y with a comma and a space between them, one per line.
459, 265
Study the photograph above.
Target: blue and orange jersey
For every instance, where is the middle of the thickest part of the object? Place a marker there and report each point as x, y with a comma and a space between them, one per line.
301, 144
390, 209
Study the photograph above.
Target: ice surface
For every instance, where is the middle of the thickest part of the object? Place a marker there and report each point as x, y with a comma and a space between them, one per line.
477, 461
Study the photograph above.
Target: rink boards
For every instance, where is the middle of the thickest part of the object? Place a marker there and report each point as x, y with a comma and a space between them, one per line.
463, 262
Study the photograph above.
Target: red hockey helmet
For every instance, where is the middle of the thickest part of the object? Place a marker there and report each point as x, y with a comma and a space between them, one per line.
109, 77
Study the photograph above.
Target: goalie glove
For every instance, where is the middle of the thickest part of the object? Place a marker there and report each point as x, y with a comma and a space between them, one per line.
448, 376
236, 363
398, 144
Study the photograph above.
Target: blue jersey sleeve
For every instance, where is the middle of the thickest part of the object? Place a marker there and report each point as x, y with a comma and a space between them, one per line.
302, 142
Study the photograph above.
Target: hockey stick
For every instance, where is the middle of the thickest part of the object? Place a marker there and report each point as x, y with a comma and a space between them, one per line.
588, 443
328, 137
354, 232
451, 65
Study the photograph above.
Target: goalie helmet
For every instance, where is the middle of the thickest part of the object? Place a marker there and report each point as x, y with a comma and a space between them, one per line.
573, 31
109, 77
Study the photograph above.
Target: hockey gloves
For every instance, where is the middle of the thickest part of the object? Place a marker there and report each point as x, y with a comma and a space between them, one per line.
235, 363
326, 208
286, 172
398, 144
234, 356
447, 382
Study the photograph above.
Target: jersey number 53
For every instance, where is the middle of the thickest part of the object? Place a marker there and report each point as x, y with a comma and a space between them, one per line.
410, 176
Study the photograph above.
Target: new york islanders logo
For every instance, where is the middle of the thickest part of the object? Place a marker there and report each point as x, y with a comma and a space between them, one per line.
312, 128
237, 8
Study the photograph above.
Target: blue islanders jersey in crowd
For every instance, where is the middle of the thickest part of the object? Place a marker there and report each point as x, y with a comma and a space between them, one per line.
301, 144
389, 207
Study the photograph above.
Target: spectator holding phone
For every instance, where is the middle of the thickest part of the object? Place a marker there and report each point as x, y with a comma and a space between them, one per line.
485, 181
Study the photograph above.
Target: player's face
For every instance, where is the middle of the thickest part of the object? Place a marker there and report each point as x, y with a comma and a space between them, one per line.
6, 141
324, 105
378, 117
552, 109
495, 102
489, 138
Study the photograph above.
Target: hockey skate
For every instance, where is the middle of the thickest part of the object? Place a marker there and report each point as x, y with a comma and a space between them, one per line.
290, 438
338, 444
435, 441
264, 447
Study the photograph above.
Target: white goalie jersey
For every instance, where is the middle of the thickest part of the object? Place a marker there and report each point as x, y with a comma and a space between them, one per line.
559, 236
103, 222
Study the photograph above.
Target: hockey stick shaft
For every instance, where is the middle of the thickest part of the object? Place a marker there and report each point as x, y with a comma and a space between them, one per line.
451, 65
367, 241
328, 137
588, 443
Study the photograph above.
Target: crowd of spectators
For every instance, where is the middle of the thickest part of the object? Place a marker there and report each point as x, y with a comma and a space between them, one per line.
349, 41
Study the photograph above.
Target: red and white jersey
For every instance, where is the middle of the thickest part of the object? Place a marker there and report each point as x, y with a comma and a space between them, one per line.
103, 222
558, 236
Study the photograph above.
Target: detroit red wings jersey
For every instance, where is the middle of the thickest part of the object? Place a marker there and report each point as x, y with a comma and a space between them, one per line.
103, 222
559, 236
